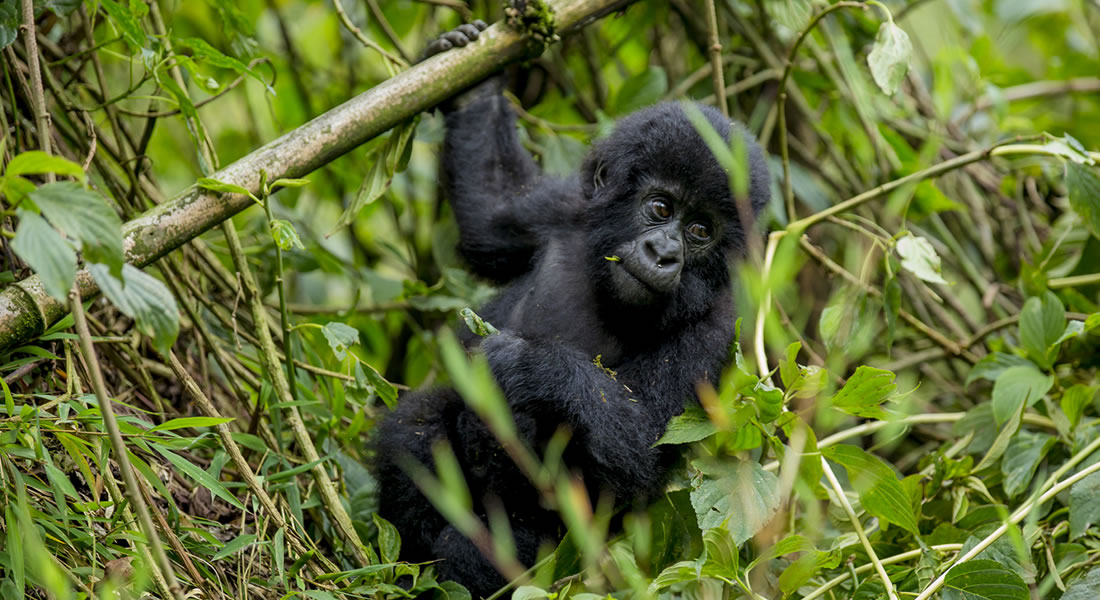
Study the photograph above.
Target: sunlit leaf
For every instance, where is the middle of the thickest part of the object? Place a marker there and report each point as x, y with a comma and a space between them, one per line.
340, 337
691, 426
36, 162
143, 298
1018, 387
983, 580
43, 248
880, 491
85, 216
285, 235
920, 258
1042, 323
865, 391
736, 494
889, 57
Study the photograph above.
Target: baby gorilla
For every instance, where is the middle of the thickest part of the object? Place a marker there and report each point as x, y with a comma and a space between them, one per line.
626, 261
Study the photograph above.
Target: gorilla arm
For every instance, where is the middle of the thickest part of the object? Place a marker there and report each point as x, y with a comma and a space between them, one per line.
615, 421
495, 188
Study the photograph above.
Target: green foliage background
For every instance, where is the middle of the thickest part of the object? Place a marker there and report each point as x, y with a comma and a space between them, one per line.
913, 411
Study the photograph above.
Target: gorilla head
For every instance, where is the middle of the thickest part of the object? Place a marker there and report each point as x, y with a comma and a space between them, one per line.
661, 218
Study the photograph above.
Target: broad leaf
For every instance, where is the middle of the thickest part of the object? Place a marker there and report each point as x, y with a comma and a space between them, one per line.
880, 491
285, 236
1084, 588
340, 337
983, 580
993, 364
889, 57
85, 216
1083, 185
864, 391
143, 298
1042, 322
738, 495
1084, 506
691, 426
920, 258
1022, 458
1018, 387
36, 162
49, 254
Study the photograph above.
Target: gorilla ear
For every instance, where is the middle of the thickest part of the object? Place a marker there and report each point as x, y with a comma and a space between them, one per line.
597, 175
593, 173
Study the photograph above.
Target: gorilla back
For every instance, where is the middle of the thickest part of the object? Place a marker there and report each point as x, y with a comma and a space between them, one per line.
615, 304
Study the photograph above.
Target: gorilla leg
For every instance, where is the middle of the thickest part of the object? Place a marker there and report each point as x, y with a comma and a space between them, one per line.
420, 421
462, 561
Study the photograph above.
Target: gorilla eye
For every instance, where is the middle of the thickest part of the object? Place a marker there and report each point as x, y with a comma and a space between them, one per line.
660, 208
699, 231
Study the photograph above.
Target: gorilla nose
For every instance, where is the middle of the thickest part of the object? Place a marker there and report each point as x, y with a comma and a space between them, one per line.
663, 251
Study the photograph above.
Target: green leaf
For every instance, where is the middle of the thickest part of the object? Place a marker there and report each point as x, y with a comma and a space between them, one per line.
1022, 458
36, 162
864, 391
476, 324
143, 298
285, 236
736, 494
889, 57
214, 185
1084, 588
1083, 185
1042, 322
1084, 505
389, 540
640, 90
880, 491
383, 388
993, 364
10, 18
984, 580
529, 592
235, 545
211, 55
1018, 387
85, 216
691, 426
43, 248
190, 422
920, 258
288, 183
1075, 400
390, 159
200, 476
340, 337
127, 22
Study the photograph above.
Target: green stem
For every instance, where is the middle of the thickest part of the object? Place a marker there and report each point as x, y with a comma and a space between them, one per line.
284, 315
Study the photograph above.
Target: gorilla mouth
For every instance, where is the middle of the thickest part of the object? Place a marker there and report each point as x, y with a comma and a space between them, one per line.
631, 288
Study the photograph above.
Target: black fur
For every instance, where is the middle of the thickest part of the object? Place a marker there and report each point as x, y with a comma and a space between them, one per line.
547, 240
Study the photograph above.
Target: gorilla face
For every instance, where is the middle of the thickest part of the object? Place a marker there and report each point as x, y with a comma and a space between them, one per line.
661, 218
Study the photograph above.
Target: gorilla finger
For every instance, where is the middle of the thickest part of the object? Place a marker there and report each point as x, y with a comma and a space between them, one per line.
481, 25
456, 37
437, 47
470, 31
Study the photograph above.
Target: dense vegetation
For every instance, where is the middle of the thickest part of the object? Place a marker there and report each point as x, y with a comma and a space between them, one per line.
913, 409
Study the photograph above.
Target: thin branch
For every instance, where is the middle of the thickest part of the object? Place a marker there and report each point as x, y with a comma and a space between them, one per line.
363, 39
38, 97
715, 51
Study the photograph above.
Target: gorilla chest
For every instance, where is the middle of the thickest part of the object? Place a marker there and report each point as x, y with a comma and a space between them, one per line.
556, 302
